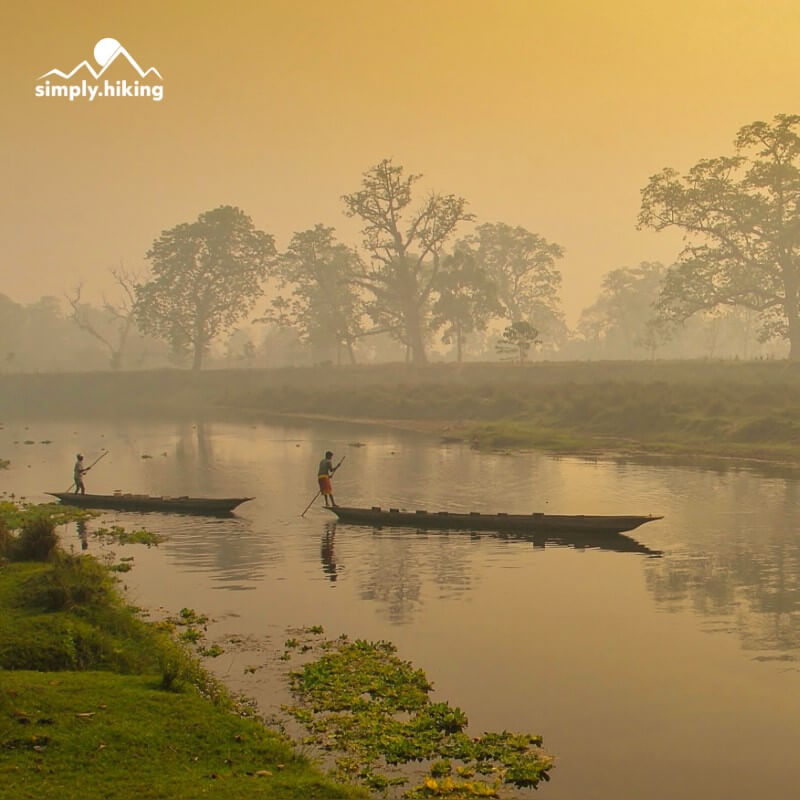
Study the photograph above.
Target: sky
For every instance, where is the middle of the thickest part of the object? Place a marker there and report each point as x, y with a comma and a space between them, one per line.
548, 115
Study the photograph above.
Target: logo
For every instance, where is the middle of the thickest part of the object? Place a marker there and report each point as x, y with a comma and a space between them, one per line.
85, 82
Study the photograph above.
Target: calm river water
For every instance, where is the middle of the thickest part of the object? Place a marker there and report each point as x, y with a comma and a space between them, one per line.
663, 671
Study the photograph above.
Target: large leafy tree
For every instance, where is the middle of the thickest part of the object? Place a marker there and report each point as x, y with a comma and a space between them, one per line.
404, 245
522, 266
317, 295
466, 298
741, 218
207, 275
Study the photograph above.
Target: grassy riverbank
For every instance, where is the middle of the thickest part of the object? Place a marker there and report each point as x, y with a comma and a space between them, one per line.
731, 409
97, 703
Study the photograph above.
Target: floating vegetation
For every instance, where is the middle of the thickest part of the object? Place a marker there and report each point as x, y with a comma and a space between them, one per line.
191, 628
4, 464
14, 514
372, 711
119, 535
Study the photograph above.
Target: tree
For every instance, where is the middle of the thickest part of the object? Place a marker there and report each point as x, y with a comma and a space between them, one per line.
620, 319
113, 325
518, 338
11, 319
322, 304
741, 218
521, 264
207, 276
466, 298
404, 248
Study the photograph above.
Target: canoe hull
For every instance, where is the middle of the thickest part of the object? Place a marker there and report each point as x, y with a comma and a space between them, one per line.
145, 502
493, 522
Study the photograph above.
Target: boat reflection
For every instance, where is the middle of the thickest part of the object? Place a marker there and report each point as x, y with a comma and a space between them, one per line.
579, 540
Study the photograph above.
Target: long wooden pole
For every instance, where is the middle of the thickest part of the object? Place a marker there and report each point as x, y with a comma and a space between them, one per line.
104, 453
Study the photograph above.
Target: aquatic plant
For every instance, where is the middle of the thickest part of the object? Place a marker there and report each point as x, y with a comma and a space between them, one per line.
119, 535
371, 709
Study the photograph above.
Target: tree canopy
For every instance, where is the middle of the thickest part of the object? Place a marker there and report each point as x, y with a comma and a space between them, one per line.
741, 218
522, 266
404, 247
466, 298
207, 275
317, 295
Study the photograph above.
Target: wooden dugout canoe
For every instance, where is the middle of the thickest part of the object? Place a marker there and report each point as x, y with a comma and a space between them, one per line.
492, 522
146, 502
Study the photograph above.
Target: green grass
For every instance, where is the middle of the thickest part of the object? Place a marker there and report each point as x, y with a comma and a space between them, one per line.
97, 703
99, 734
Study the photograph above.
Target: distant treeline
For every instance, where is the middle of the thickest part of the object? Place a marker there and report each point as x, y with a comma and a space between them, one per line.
428, 281
740, 409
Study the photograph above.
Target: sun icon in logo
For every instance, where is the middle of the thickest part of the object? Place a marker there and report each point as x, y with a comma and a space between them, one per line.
104, 49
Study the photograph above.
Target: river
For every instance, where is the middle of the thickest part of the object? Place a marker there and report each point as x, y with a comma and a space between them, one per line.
666, 668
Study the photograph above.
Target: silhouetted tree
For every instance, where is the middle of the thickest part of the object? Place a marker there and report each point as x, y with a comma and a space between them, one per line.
741, 217
404, 248
112, 325
518, 338
322, 303
207, 275
620, 319
466, 298
521, 264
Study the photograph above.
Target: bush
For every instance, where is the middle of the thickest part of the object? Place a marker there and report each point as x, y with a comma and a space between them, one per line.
73, 581
37, 540
6, 540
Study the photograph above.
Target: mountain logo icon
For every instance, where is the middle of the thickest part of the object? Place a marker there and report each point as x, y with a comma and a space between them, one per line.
106, 52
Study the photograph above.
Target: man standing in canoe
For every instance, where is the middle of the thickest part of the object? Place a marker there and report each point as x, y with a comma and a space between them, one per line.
324, 475
77, 474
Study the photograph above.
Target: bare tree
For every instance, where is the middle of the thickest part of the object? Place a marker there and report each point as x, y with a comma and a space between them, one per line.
404, 249
112, 329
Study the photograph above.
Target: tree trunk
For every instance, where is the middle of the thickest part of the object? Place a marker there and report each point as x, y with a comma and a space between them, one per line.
794, 337
458, 343
415, 339
790, 309
197, 360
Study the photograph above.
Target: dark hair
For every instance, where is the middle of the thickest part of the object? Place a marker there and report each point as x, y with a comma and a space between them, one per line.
328, 454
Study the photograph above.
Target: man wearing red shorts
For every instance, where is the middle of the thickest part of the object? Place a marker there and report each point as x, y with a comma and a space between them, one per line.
324, 474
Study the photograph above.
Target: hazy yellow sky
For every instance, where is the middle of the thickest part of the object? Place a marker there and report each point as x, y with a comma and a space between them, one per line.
549, 115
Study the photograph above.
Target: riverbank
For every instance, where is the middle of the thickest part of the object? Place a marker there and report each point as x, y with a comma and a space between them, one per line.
97, 703
732, 410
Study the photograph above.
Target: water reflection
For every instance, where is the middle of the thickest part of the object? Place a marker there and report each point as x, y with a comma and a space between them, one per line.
557, 633
616, 542
752, 583
83, 533
327, 553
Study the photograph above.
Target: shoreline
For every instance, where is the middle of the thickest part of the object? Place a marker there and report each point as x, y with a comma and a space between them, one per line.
459, 432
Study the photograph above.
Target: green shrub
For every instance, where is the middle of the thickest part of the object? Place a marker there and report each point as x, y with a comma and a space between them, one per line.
37, 540
73, 581
6, 540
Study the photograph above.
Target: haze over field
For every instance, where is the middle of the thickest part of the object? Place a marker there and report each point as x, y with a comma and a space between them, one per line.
550, 116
